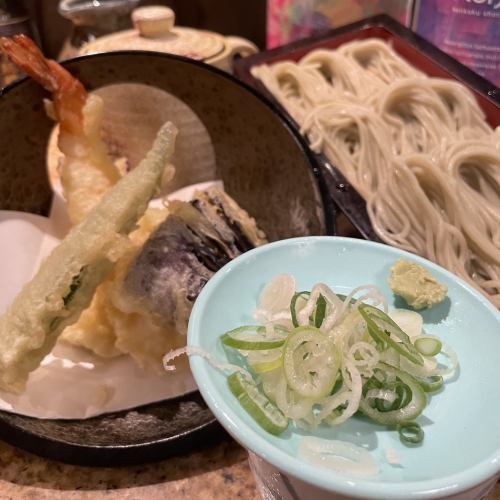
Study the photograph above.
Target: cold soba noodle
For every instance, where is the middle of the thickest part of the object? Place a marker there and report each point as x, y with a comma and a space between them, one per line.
416, 148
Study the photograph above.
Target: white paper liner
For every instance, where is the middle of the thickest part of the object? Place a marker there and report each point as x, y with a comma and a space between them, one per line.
75, 383
72, 382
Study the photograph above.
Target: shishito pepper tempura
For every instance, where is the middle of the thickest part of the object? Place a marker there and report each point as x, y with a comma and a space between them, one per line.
67, 279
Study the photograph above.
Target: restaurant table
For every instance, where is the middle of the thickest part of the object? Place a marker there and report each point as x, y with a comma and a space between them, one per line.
218, 471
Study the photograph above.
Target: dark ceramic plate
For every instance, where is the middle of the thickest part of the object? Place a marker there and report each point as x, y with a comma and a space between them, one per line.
416, 50
265, 165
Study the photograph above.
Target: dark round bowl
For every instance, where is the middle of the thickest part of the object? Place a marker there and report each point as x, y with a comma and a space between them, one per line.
264, 164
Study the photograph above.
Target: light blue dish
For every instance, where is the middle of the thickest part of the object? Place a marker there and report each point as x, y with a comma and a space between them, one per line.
462, 424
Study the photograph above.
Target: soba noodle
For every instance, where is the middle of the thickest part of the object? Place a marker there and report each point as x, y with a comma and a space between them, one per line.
418, 149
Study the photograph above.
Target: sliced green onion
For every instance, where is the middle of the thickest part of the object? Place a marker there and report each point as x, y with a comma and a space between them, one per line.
430, 384
409, 321
268, 365
410, 433
277, 294
428, 345
339, 382
293, 306
257, 405
404, 395
270, 381
266, 360
363, 361
342, 298
319, 311
379, 381
381, 327
332, 418
340, 457
249, 338
403, 398
410, 411
311, 362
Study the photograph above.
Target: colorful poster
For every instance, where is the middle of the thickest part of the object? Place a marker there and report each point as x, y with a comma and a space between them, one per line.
468, 30
289, 20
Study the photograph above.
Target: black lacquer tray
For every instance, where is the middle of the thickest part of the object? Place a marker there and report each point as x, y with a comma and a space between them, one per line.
146, 434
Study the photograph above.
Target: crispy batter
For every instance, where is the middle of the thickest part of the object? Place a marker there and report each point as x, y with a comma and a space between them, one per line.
68, 278
108, 329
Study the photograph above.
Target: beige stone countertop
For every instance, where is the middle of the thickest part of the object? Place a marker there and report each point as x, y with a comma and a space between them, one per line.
216, 472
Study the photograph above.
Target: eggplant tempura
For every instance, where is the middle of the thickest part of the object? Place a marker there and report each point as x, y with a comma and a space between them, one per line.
143, 308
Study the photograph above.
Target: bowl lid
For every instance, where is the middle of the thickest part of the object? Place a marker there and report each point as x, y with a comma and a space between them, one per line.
154, 31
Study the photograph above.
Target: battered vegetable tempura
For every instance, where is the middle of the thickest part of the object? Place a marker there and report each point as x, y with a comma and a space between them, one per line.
68, 278
143, 306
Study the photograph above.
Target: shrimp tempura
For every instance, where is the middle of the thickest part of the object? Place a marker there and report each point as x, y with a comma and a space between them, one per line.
86, 170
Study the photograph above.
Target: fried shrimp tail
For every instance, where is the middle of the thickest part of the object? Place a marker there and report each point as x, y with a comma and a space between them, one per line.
68, 94
86, 170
